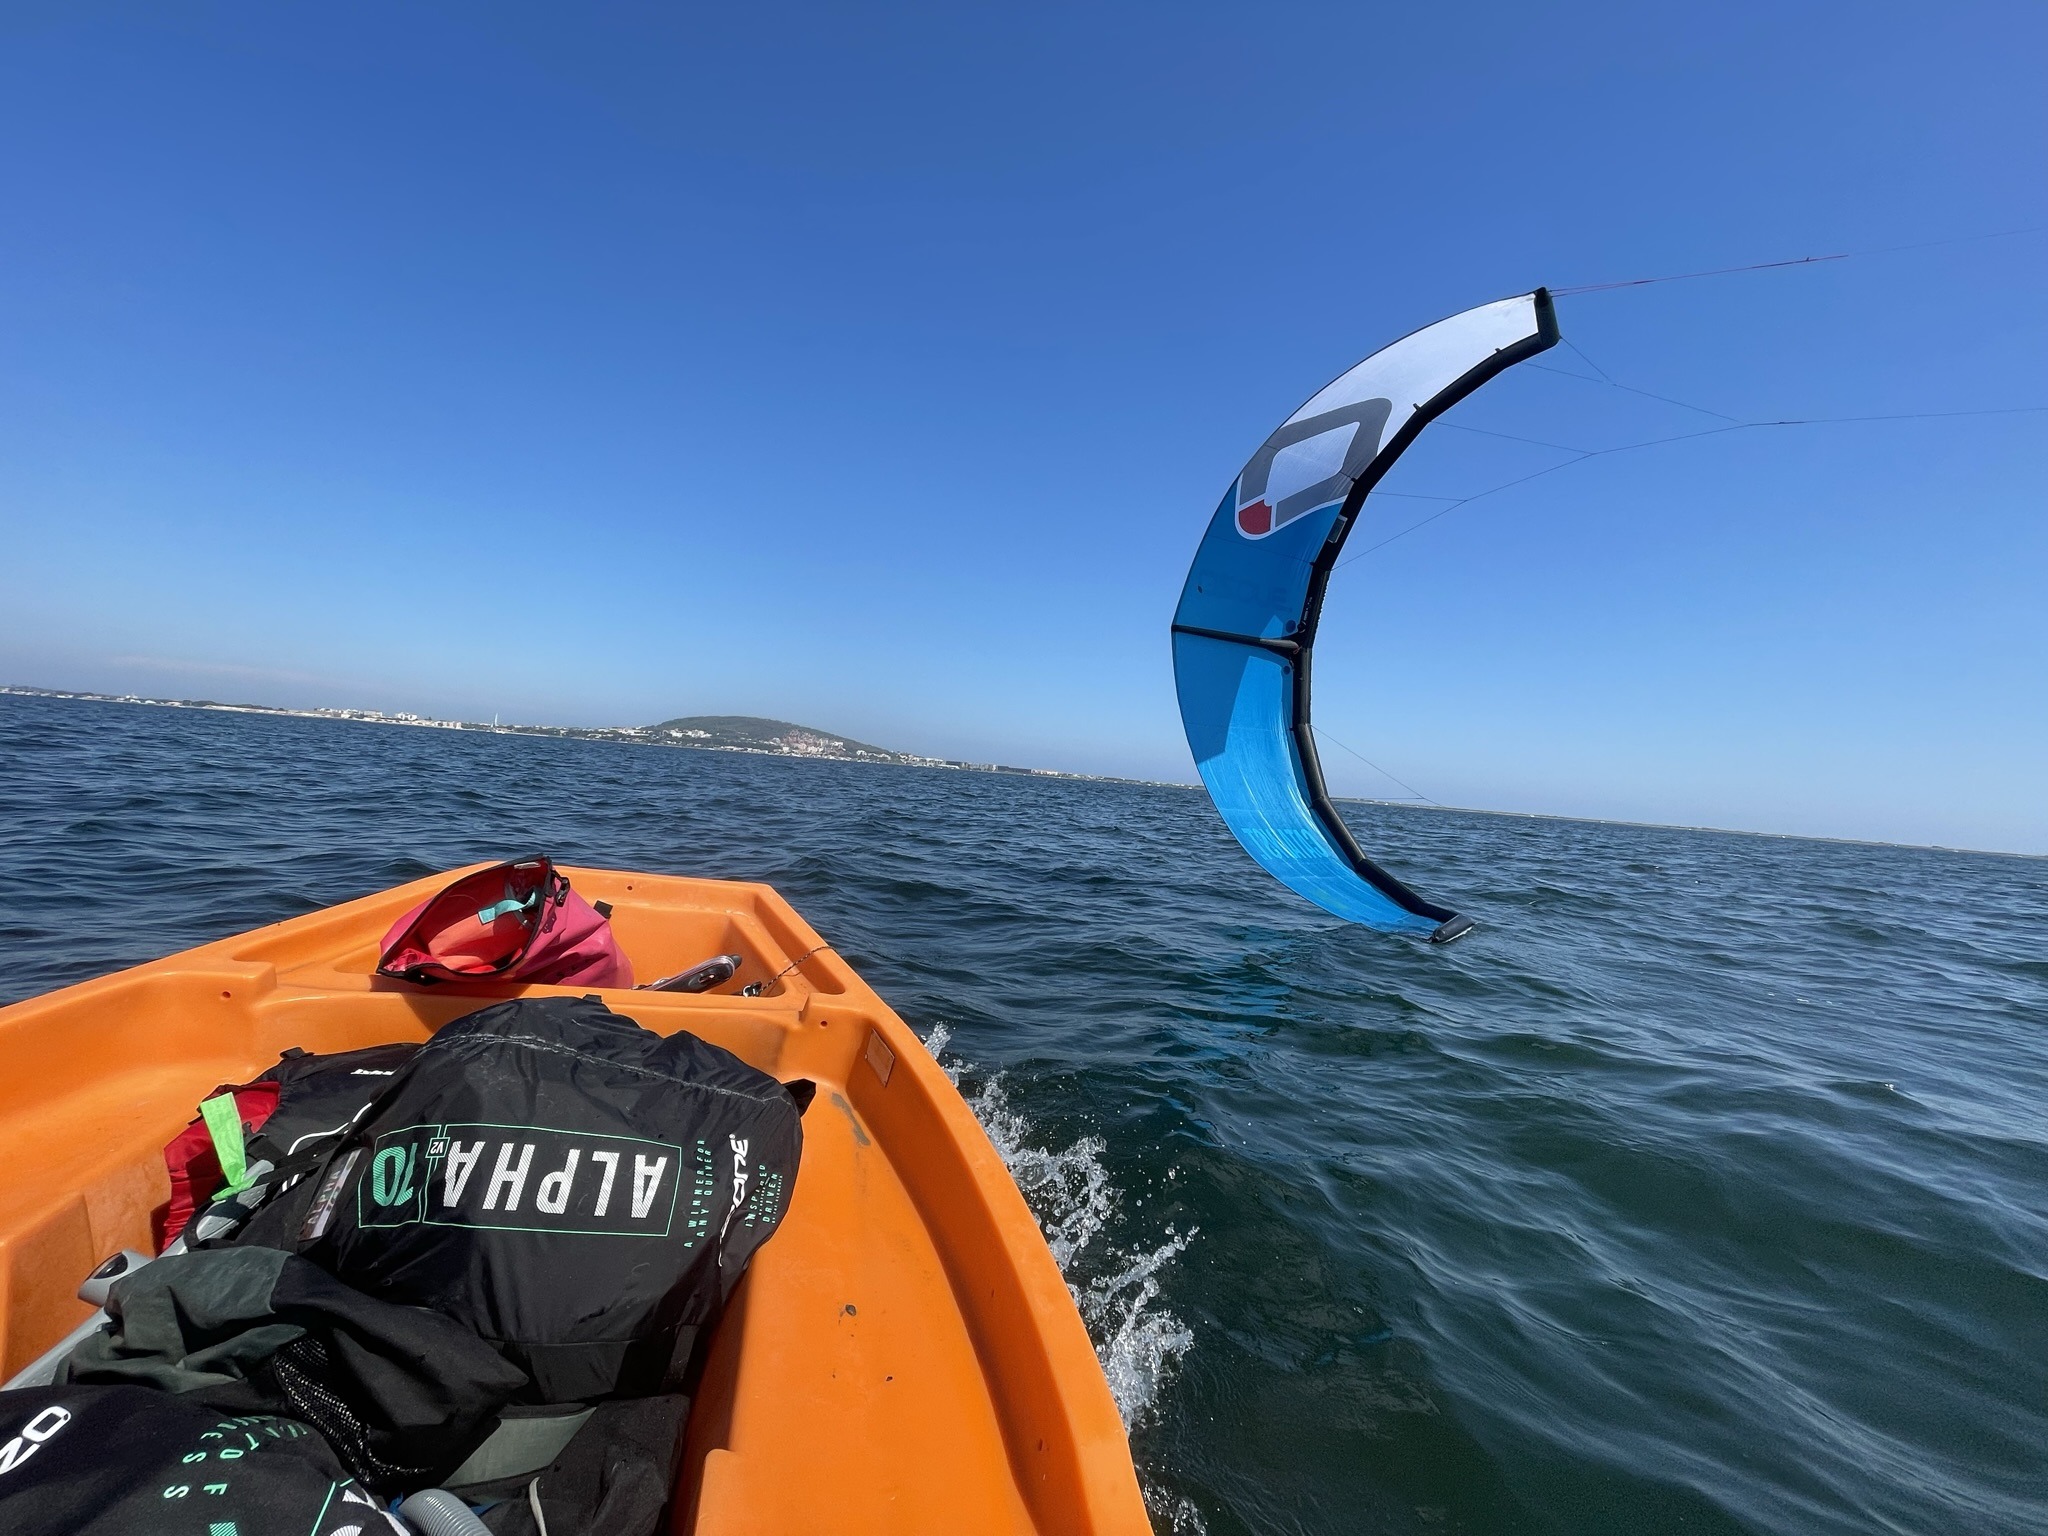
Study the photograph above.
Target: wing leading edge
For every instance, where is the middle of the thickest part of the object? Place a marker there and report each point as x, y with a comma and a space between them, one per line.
1245, 628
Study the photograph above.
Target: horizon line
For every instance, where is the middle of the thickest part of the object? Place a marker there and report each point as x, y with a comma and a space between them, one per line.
333, 712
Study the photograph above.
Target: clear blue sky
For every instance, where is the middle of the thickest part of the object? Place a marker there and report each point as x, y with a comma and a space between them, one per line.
878, 368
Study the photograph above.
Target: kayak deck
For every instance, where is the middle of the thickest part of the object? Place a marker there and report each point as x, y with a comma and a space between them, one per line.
902, 1356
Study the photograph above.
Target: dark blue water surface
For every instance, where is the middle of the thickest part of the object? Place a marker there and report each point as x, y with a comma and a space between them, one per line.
1704, 1189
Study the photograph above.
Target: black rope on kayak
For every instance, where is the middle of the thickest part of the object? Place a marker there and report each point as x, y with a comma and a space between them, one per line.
799, 960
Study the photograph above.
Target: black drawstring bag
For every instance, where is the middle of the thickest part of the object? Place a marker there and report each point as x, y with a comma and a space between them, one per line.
578, 1191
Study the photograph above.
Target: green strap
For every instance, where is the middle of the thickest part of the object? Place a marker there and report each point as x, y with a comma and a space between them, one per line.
224, 1123
504, 908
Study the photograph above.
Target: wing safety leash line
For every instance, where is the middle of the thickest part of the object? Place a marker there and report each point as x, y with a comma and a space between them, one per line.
1795, 261
1584, 454
1323, 735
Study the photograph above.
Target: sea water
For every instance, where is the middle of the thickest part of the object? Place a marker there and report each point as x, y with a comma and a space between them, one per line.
1703, 1189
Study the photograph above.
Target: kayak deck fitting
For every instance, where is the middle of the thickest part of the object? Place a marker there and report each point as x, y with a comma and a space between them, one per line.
902, 1356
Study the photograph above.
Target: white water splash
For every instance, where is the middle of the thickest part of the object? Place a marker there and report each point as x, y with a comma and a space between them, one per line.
936, 1039
1137, 1340
1174, 1513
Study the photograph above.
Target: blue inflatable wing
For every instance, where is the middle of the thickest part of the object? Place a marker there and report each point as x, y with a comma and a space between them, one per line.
1246, 624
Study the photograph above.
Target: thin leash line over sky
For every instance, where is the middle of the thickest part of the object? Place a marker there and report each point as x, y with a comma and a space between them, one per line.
1588, 361
1533, 442
1794, 261
1323, 735
1580, 455
1565, 373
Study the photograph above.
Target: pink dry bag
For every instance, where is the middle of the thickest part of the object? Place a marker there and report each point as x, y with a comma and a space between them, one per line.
517, 921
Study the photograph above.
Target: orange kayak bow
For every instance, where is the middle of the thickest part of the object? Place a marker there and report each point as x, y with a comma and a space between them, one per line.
902, 1357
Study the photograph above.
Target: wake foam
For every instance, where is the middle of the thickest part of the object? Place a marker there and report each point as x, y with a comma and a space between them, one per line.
1174, 1513
1138, 1341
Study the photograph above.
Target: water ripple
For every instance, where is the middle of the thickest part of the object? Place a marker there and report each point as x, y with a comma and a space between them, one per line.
1705, 1188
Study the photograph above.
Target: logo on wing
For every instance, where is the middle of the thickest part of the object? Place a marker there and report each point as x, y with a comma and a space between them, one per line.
1310, 462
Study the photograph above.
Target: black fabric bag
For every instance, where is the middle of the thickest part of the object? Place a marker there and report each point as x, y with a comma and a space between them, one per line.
129, 1461
299, 1104
401, 1394
579, 1191
320, 1096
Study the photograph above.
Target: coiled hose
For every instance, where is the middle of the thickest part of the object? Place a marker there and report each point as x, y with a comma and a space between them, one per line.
436, 1512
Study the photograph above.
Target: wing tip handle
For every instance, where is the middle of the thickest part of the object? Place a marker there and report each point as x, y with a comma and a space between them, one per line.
1452, 929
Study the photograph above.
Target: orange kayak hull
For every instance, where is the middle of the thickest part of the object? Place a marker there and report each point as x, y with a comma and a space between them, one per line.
903, 1356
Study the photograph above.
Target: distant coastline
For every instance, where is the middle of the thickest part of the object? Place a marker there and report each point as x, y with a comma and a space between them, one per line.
751, 734
780, 738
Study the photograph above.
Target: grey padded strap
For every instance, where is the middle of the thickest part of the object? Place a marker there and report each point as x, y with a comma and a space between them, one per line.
519, 1446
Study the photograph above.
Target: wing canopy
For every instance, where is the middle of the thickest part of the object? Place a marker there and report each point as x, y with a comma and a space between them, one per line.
1245, 627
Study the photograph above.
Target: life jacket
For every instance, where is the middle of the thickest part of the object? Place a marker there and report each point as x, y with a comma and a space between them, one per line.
579, 1191
192, 1158
516, 921
133, 1461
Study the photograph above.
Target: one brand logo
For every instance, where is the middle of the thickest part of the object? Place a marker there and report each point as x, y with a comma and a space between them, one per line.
522, 1178
373, 1072
1311, 462
739, 1183
33, 1434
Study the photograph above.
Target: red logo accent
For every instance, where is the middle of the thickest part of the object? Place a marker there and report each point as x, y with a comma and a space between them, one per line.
1256, 520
